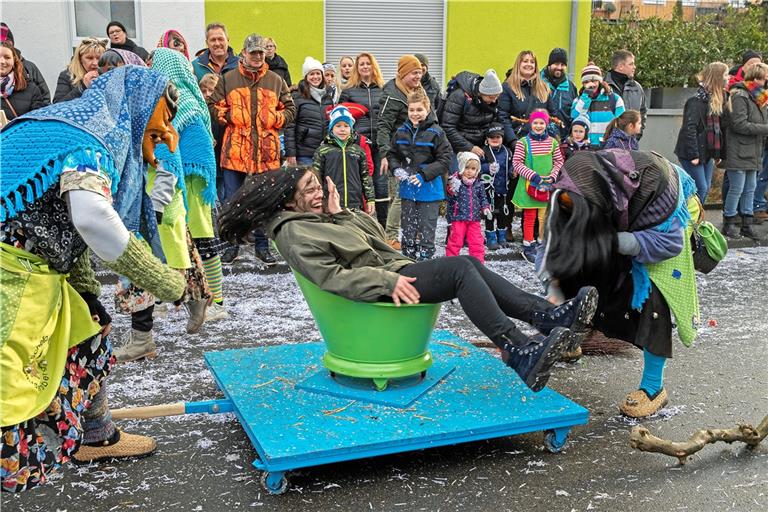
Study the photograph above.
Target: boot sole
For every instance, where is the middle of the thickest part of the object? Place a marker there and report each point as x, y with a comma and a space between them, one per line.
539, 376
111, 457
580, 327
150, 355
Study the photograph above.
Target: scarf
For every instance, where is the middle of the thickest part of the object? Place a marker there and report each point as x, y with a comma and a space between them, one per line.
129, 58
468, 182
620, 79
167, 38
7, 84
110, 117
251, 72
758, 92
538, 136
316, 93
712, 128
404, 88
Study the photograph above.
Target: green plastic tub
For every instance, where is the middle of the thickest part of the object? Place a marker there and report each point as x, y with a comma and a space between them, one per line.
376, 340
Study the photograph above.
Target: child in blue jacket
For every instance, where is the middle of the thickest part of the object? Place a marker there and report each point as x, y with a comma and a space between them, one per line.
420, 157
496, 168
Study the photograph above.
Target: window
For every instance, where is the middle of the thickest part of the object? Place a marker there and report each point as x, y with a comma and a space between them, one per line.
90, 17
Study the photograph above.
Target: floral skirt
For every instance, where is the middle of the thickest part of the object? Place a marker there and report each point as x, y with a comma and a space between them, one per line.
30, 450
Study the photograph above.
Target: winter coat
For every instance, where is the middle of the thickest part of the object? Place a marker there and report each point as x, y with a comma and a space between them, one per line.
503, 156
65, 91
425, 151
240, 98
746, 131
348, 166
561, 98
393, 111
310, 125
511, 105
621, 140
346, 254
599, 111
368, 96
633, 96
569, 147
202, 64
432, 88
468, 203
465, 117
279, 66
34, 75
692, 137
26, 100
131, 46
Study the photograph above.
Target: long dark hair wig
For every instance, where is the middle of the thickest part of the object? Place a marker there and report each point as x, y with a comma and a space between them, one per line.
259, 199
581, 244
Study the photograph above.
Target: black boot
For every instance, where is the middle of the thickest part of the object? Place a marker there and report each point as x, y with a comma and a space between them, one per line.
266, 257
533, 359
575, 314
729, 228
747, 227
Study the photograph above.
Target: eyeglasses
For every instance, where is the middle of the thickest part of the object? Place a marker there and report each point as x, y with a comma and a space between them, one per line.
114, 31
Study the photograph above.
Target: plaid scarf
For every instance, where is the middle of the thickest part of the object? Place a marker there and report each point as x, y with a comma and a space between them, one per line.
758, 92
712, 127
7, 84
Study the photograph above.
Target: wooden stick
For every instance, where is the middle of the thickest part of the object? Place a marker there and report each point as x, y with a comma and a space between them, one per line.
150, 411
642, 439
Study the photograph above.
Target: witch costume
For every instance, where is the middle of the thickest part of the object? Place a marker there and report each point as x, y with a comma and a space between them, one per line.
73, 178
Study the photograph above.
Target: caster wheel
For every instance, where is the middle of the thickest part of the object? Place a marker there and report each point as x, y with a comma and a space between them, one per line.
274, 483
380, 384
552, 444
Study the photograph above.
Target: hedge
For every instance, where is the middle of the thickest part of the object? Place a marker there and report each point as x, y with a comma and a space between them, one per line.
669, 53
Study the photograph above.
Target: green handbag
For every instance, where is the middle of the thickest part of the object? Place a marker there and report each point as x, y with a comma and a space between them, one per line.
709, 247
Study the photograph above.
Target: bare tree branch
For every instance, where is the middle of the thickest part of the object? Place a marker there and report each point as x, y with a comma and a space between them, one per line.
642, 439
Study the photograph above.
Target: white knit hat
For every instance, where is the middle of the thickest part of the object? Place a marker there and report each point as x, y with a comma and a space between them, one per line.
311, 64
490, 84
464, 157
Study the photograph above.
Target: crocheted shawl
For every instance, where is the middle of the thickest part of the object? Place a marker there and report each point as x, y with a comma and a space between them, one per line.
129, 58
167, 38
111, 115
192, 121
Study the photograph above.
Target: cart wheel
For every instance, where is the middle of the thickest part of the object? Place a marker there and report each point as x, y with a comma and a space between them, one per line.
380, 384
274, 483
555, 440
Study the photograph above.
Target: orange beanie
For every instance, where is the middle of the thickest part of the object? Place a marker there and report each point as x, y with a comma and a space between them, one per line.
406, 64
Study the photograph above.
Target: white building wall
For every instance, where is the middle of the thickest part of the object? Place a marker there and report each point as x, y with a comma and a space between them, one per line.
43, 29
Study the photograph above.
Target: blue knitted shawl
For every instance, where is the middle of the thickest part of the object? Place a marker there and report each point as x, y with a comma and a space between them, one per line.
111, 115
196, 150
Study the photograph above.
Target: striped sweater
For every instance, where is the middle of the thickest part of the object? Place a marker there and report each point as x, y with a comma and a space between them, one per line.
600, 111
538, 147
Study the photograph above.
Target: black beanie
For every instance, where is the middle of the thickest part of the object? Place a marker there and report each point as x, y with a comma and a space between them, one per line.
750, 54
558, 55
116, 24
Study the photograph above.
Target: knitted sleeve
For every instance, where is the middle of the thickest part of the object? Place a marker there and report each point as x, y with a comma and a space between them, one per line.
518, 161
82, 277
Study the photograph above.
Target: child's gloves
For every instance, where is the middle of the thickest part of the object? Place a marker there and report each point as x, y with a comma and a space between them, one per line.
536, 181
494, 168
488, 213
454, 184
401, 174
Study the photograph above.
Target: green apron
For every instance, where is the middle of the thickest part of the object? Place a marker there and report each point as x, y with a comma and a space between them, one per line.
42, 318
173, 229
542, 164
199, 215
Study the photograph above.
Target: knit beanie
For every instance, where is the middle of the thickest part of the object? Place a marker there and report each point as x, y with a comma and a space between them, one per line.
490, 84
558, 55
327, 66
406, 64
539, 114
5, 33
591, 72
340, 114
116, 24
750, 54
311, 64
464, 157
422, 58
582, 121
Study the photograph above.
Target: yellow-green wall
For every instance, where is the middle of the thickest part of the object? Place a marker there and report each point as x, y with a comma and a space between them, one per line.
297, 26
479, 34
489, 34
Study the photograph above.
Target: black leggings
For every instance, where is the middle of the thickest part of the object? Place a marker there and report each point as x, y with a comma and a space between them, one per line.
487, 298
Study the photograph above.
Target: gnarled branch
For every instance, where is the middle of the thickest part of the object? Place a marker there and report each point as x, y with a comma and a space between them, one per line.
642, 439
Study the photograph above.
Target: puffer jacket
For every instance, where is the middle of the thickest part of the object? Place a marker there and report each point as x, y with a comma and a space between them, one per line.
502, 156
561, 98
469, 202
279, 66
33, 74
348, 167
746, 131
621, 140
23, 101
346, 254
422, 150
240, 98
393, 111
432, 88
465, 117
368, 96
305, 134
65, 91
692, 137
510, 105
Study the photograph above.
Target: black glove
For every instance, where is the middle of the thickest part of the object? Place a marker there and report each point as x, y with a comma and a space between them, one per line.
159, 217
96, 308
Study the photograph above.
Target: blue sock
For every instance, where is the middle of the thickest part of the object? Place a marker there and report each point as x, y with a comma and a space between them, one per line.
653, 373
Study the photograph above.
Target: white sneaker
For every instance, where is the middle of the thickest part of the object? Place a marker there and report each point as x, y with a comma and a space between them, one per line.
216, 312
